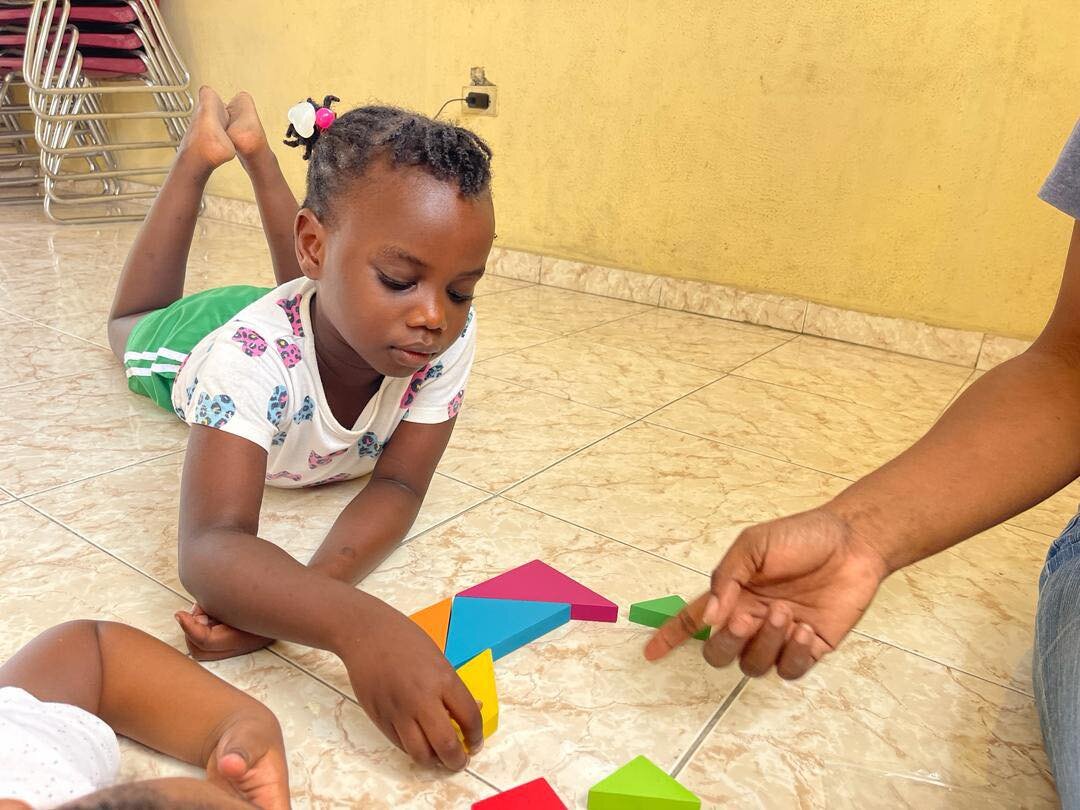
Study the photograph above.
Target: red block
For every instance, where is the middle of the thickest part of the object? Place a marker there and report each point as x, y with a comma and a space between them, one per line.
534, 795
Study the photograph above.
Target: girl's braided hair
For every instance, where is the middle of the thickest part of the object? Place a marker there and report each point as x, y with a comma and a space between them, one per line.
342, 152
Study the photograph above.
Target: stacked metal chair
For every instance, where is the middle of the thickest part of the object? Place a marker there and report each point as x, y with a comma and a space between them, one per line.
76, 57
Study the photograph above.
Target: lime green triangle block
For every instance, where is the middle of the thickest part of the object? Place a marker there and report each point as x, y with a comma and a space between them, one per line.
655, 612
641, 785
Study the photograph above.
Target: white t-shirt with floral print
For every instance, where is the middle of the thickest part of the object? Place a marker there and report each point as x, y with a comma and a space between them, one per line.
257, 377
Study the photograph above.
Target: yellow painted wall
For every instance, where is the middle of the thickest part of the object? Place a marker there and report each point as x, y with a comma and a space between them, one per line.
880, 155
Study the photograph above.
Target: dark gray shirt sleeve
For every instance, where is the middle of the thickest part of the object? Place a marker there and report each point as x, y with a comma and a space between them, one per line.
1062, 187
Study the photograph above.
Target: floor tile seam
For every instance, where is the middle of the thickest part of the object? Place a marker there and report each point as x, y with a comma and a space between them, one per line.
482, 779
947, 665
956, 394
593, 443
1047, 535
484, 318
969, 366
481, 373
929, 416
575, 332
91, 477
515, 351
849, 478
71, 334
488, 496
540, 283
802, 320
522, 285
606, 536
607, 343
464, 482
14, 314
770, 350
709, 726
145, 574
13, 386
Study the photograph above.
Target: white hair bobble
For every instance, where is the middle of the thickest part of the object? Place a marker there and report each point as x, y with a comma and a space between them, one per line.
302, 118
306, 120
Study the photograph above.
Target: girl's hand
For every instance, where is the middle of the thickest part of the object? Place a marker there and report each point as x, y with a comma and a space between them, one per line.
784, 595
210, 640
409, 690
249, 762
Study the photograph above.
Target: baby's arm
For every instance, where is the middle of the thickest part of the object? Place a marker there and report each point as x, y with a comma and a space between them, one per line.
378, 518
146, 690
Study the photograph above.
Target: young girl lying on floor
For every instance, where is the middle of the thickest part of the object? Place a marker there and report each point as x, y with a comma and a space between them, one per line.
355, 364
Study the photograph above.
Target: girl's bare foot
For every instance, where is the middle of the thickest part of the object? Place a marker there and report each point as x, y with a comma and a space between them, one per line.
245, 130
205, 139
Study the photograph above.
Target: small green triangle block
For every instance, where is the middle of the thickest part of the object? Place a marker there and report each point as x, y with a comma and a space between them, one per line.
655, 612
641, 785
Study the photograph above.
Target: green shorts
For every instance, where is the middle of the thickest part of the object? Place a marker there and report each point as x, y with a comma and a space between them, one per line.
161, 341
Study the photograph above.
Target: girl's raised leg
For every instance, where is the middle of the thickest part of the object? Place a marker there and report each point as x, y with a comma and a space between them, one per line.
153, 275
277, 205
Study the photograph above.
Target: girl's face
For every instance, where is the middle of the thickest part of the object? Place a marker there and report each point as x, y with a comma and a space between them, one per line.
397, 267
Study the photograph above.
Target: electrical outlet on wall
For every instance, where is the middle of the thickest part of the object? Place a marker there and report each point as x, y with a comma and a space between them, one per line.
474, 103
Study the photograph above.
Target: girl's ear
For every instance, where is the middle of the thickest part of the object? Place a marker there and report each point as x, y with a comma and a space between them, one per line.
310, 243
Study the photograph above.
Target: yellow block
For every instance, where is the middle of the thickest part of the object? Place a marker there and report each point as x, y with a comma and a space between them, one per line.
479, 676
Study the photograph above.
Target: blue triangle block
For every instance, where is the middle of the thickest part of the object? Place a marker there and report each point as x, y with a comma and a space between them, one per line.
502, 625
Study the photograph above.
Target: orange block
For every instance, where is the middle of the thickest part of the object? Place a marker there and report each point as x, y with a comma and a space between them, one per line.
435, 620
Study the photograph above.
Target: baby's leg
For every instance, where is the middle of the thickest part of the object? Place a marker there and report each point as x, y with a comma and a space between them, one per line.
277, 205
153, 275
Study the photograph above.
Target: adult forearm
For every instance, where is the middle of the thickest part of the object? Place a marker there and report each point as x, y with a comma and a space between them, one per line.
253, 585
367, 530
1010, 441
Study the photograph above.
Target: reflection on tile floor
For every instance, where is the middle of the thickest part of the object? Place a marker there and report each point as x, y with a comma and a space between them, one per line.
625, 444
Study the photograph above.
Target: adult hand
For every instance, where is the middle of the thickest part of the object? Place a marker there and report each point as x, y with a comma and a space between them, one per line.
784, 595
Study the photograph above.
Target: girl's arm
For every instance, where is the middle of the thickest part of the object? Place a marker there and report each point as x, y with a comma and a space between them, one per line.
146, 690
400, 677
381, 514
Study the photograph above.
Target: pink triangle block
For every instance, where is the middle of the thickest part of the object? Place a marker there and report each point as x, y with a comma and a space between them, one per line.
537, 581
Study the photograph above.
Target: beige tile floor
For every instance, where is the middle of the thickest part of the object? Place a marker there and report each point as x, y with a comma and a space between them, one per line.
591, 439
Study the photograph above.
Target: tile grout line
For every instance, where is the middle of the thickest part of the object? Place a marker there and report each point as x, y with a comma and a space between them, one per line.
759, 453
607, 435
956, 668
935, 414
635, 420
103, 550
477, 776
709, 726
92, 476
599, 533
52, 378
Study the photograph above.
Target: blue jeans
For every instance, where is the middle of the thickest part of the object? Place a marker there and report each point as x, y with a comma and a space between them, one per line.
1056, 665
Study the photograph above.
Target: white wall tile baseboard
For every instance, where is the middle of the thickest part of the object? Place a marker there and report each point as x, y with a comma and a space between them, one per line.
975, 350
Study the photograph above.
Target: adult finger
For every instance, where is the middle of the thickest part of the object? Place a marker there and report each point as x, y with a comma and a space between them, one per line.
677, 629
804, 649
737, 567
727, 643
414, 742
763, 650
466, 713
